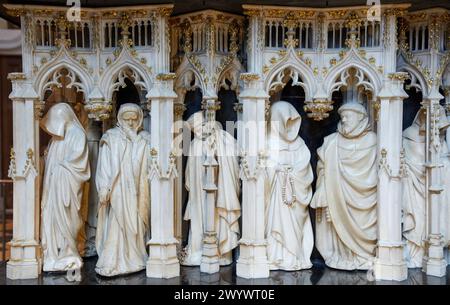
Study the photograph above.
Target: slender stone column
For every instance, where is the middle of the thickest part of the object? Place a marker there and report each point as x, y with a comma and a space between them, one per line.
25, 261
252, 262
162, 261
389, 263
94, 134
433, 262
210, 250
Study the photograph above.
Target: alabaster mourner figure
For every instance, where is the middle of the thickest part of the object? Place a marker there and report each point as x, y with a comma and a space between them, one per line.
345, 196
227, 204
414, 190
288, 192
66, 170
124, 195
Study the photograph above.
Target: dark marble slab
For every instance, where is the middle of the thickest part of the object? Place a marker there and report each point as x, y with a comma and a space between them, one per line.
318, 275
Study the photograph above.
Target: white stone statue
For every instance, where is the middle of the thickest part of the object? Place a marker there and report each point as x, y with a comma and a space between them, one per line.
66, 171
124, 195
346, 193
289, 231
414, 191
228, 209
444, 124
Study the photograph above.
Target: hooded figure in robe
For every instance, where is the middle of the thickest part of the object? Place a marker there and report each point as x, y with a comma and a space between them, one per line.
228, 208
124, 195
346, 192
288, 192
414, 191
66, 171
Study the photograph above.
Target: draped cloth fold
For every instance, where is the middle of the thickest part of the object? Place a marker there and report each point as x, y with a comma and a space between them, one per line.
347, 188
123, 224
414, 189
288, 192
228, 209
66, 171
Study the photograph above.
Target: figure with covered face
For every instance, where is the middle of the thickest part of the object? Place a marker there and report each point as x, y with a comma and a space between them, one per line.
66, 170
124, 195
346, 192
288, 192
228, 210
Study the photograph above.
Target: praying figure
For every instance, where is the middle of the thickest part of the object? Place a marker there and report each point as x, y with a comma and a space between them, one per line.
227, 206
289, 231
414, 191
66, 171
124, 195
346, 192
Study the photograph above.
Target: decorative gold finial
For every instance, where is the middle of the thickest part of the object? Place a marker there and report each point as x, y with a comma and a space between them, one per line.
318, 109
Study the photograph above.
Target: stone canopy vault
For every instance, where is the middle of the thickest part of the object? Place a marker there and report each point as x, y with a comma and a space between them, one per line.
228, 65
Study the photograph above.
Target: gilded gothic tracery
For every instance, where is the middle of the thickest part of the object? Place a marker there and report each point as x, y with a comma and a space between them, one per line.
331, 56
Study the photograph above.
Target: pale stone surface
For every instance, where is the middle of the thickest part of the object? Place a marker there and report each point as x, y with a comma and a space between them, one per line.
227, 209
346, 194
288, 192
66, 170
210, 60
414, 188
162, 261
390, 263
124, 195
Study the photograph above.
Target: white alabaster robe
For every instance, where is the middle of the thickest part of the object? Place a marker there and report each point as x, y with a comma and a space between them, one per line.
66, 170
445, 203
288, 231
444, 214
414, 190
347, 187
228, 209
123, 224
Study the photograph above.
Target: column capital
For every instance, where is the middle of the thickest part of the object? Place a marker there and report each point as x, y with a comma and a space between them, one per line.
163, 87
434, 95
393, 86
97, 107
253, 87
22, 88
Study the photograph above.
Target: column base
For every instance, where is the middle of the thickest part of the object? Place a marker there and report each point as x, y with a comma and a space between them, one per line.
210, 254
210, 266
26, 260
434, 263
163, 262
390, 264
434, 266
390, 272
252, 262
22, 270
